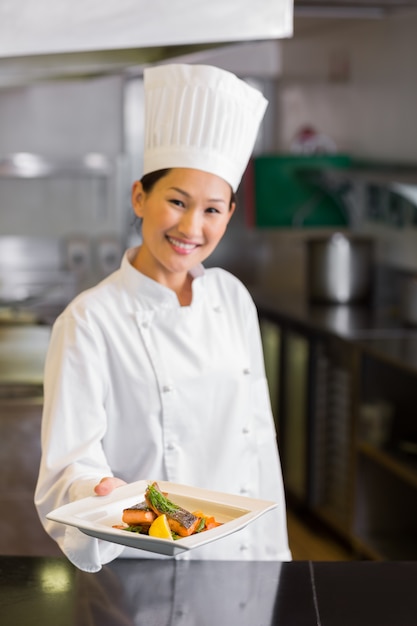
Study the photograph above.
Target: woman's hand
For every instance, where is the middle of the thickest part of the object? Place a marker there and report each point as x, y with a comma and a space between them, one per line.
107, 485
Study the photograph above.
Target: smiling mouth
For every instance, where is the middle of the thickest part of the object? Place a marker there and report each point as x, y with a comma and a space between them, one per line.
187, 247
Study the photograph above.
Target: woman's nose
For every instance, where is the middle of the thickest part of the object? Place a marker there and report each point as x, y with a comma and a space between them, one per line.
190, 223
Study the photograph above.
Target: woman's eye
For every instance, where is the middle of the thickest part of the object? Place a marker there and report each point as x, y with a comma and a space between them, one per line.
177, 202
212, 209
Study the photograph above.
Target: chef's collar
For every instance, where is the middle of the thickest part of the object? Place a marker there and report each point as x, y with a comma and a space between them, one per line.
149, 291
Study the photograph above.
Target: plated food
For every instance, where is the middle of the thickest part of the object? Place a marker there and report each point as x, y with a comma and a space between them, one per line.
157, 516
99, 516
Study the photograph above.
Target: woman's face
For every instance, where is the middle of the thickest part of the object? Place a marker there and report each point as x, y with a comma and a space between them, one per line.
184, 217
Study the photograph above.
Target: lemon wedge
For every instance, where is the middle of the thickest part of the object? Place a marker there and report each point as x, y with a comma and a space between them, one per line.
160, 528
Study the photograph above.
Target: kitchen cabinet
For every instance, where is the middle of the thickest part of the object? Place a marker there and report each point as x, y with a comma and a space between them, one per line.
332, 401
347, 430
294, 411
315, 403
287, 374
385, 508
286, 356
22, 355
21, 532
271, 344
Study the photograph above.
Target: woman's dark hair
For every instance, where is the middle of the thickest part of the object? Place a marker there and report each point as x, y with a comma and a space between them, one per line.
149, 181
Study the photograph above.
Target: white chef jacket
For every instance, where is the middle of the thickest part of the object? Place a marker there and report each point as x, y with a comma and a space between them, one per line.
139, 387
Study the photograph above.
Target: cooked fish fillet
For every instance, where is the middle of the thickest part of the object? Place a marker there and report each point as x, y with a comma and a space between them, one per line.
138, 515
180, 521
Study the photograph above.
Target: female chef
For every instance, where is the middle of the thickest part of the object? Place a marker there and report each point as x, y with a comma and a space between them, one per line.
157, 372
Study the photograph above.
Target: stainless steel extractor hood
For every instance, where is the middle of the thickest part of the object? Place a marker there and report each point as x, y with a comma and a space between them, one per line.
59, 38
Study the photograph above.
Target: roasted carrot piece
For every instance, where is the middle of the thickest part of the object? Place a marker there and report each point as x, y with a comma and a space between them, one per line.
211, 523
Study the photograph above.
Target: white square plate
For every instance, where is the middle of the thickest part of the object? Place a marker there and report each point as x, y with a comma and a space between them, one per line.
96, 515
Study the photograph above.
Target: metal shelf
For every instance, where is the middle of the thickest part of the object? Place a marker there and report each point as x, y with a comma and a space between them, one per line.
367, 171
30, 165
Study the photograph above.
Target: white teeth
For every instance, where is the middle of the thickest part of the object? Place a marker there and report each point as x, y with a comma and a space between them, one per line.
181, 244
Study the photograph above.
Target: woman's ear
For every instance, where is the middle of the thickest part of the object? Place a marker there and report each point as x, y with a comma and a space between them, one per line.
137, 198
231, 210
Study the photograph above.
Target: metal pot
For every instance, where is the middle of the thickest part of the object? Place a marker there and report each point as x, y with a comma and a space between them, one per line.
339, 269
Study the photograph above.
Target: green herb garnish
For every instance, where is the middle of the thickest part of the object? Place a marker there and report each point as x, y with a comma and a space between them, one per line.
201, 525
142, 530
160, 502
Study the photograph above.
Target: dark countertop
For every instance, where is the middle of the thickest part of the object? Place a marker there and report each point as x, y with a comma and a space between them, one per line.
347, 321
376, 330
51, 592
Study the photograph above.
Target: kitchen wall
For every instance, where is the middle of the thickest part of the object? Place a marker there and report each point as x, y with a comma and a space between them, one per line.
356, 81
62, 120
69, 118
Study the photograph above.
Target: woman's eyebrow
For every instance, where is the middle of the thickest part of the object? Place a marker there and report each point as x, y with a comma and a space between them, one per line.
179, 190
187, 195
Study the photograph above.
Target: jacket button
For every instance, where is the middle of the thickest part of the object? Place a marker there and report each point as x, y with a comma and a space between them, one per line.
217, 309
245, 430
167, 388
246, 371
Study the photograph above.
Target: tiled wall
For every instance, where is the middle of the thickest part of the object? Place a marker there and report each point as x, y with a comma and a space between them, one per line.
356, 81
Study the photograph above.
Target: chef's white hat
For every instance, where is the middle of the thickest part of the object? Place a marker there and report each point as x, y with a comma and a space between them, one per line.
201, 117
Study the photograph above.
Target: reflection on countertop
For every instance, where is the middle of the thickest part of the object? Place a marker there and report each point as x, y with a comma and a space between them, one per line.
130, 592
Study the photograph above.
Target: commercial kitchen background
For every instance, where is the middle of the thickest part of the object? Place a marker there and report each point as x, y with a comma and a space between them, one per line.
65, 214
352, 79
